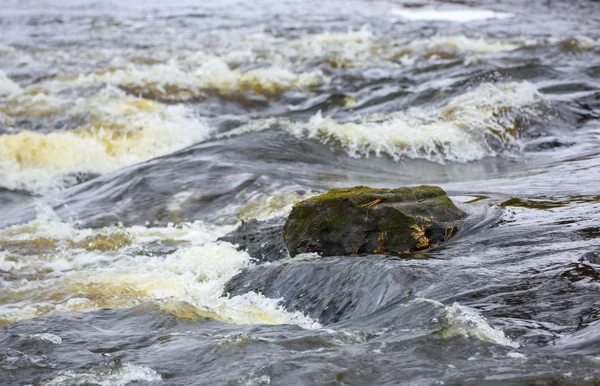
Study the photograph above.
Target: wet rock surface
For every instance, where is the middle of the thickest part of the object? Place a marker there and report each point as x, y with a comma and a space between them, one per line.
263, 240
366, 220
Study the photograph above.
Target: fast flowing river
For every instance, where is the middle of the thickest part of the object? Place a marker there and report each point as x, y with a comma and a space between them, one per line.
134, 134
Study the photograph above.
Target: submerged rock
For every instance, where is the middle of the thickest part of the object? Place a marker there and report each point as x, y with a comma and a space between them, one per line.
334, 289
367, 220
263, 240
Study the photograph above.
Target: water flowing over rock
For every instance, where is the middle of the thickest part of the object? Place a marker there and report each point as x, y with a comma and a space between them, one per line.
366, 220
262, 240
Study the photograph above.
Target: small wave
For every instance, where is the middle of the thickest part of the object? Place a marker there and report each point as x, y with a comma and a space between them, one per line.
6, 49
484, 122
25, 246
461, 15
577, 44
114, 373
46, 337
265, 206
7, 86
362, 48
464, 321
339, 49
463, 43
459, 320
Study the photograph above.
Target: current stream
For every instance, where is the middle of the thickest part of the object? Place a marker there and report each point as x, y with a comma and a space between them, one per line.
134, 134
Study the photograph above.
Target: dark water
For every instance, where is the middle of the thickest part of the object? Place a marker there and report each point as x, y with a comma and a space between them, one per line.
134, 134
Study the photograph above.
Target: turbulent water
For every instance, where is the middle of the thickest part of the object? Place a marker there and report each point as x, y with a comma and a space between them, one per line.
133, 135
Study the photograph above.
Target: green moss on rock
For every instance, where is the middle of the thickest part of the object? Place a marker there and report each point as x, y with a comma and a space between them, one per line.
368, 220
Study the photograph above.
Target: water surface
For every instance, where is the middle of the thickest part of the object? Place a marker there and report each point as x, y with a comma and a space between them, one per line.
134, 134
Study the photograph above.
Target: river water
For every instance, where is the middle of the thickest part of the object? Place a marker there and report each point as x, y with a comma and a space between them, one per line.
134, 134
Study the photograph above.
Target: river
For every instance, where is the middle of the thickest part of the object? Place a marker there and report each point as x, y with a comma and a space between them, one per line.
135, 134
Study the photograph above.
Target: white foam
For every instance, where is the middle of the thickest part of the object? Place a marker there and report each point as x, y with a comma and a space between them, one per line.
6, 49
268, 205
255, 381
7, 86
106, 375
362, 48
469, 127
464, 321
124, 131
60, 247
211, 261
75, 279
47, 337
199, 73
343, 49
578, 42
206, 269
462, 43
460, 15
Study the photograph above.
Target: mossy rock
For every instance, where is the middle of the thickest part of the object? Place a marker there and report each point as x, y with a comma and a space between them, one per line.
366, 220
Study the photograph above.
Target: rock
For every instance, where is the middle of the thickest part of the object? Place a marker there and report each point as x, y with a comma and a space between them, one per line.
263, 240
366, 220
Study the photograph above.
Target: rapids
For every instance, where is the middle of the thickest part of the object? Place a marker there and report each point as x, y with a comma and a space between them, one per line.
135, 135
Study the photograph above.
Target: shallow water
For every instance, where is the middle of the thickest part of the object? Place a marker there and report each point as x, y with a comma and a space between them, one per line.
134, 134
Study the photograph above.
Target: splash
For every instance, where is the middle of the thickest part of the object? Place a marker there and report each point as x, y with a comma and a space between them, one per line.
463, 321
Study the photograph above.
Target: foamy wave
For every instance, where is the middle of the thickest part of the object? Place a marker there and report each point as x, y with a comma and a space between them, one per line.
484, 122
46, 234
339, 49
109, 374
461, 15
114, 267
362, 48
198, 75
7, 86
6, 49
123, 131
576, 44
463, 44
352, 48
193, 275
463, 321
265, 206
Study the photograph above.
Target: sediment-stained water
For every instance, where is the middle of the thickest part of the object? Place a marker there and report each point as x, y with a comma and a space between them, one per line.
134, 135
